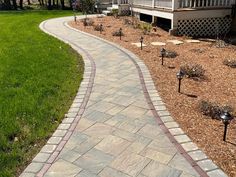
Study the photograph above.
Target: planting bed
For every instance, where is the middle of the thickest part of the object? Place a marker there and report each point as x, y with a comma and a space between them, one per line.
218, 86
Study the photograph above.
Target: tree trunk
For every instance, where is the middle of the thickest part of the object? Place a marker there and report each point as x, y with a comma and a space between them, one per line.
62, 4
70, 2
21, 4
49, 4
14, 4
28, 2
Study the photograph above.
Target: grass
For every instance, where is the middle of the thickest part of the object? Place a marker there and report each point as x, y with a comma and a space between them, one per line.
39, 77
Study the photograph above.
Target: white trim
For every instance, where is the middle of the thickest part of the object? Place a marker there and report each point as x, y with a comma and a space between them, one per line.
154, 12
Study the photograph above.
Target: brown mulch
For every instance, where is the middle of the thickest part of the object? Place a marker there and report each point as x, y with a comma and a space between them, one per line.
220, 85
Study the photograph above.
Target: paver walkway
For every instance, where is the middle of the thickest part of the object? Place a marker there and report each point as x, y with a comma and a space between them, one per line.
118, 134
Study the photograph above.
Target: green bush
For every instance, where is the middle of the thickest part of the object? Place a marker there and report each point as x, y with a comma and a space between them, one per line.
145, 27
115, 12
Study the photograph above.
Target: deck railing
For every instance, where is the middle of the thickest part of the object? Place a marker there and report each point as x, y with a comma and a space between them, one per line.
163, 4
124, 1
169, 4
147, 3
205, 3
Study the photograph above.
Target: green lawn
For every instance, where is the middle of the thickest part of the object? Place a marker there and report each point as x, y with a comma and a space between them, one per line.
39, 77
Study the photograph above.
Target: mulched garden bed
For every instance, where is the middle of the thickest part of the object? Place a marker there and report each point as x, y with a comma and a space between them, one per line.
219, 85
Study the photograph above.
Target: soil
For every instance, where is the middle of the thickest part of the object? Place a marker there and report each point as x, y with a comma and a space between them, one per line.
219, 87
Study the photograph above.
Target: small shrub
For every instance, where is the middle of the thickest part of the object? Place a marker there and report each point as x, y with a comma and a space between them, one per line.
230, 63
115, 12
198, 50
117, 33
127, 21
135, 22
88, 22
193, 71
213, 110
98, 28
171, 54
145, 27
221, 44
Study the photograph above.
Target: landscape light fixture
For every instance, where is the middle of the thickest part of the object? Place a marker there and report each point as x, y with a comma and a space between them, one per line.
141, 41
120, 32
180, 76
75, 17
226, 118
74, 7
163, 53
101, 28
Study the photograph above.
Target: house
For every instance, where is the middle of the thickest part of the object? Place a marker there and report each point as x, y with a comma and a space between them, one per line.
185, 17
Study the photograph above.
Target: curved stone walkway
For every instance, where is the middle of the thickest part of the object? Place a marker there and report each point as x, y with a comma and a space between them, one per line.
118, 125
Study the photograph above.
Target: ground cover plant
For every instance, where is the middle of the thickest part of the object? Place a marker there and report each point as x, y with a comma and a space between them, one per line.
230, 62
214, 110
39, 77
194, 71
218, 87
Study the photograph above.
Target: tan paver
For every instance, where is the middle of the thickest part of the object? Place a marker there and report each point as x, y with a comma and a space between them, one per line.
112, 145
158, 43
138, 44
175, 42
63, 168
130, 163
155, 168
99, 130
156, 155
192, 41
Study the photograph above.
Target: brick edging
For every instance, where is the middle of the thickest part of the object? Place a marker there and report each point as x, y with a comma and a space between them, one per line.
49, 153
196, 158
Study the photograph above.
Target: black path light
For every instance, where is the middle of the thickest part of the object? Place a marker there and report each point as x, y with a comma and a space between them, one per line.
141, 41
180, 76
226, 117
74, 9
163, 53
120, 32
75, 17
101, 28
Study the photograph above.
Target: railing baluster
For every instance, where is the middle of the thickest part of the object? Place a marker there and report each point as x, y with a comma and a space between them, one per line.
215, 2
181, 3
194, 3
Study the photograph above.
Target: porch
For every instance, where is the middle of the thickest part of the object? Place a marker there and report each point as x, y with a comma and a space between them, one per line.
180, 4
189, 17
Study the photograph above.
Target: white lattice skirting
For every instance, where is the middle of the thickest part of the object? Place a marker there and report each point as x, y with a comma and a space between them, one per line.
204, 27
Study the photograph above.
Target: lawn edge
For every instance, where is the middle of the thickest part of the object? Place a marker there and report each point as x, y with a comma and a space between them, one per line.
50, 151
